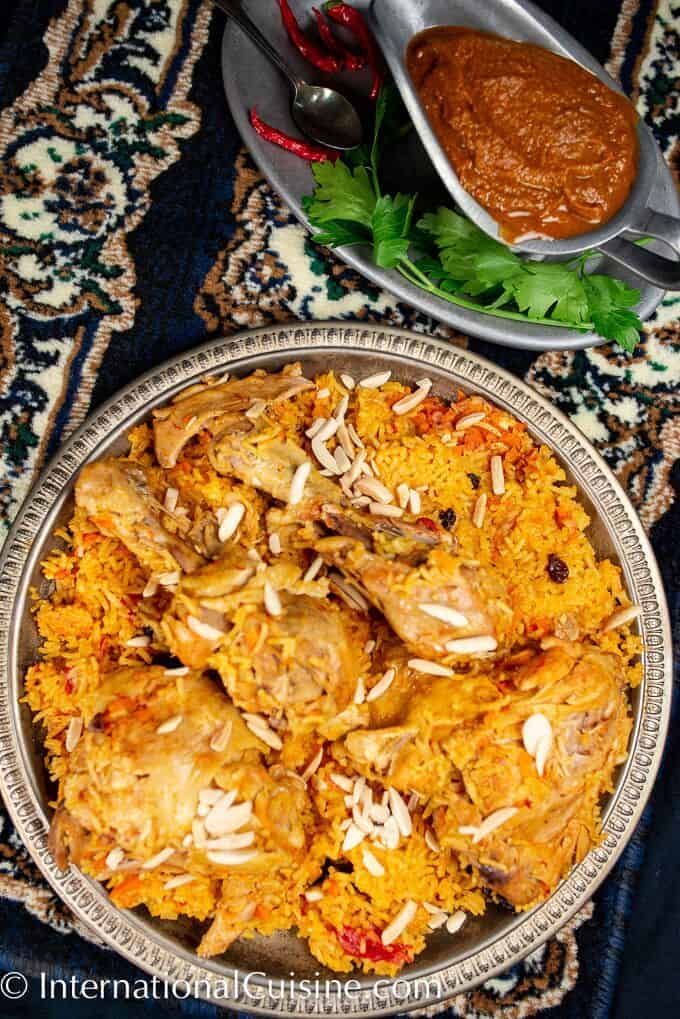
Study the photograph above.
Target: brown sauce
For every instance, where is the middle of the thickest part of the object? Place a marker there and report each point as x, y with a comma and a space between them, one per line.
543, 145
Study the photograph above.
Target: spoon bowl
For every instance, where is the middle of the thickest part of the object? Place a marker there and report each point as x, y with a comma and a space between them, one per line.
321, 113
326, 116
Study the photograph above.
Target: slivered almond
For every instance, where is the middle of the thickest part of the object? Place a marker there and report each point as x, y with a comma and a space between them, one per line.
73, 733
238, 840
328, 431
431, 841
355, 470
258, 726
232, 519
468, 420
360, 692
324, 393
220, 739
158, 859
456, 921
313, 569
115, 858
314, 895
178, 882
204, 630
345, 441
272, 601
429, 668
170, 726
151, 587
274, 543
479, 511
181, 670
354, 836
444, 614
372, 863
472, 645
535, 728
342, 461
375, 489
492, 822
414, 399
621, 617
400, 812
400, 923
379, 509
347, 381
403, 495
497, 475
225, 818
315, 427
313, 765
381, 686
415, 502
376, 380
234, 858
354, 435
323, 455
341, 410
341, 781
141, 641
171, 499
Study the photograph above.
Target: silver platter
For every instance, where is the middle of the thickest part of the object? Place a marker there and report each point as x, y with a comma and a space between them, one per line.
486, 945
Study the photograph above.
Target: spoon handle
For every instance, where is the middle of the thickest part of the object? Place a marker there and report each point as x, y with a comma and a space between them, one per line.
234, 9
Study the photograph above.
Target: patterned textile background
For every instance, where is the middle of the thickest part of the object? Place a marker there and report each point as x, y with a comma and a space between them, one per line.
133, 225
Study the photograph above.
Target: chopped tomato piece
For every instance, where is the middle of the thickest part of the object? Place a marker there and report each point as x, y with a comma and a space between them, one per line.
366, 944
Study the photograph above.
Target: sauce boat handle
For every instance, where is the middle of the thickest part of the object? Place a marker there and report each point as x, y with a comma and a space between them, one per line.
649, 265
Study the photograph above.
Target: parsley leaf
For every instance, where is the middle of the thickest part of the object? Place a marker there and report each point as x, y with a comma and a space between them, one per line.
391, 226
467, 254
553, 288
337, 232
610, 301
341, 193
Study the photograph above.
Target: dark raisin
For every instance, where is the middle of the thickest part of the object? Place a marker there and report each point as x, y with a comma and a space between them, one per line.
447, 518
557, 569
474, 480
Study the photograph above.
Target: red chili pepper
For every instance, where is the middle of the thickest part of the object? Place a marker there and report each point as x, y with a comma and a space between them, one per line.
354, 21
351, 61
312, 53
366, 944
427, 522
305, 150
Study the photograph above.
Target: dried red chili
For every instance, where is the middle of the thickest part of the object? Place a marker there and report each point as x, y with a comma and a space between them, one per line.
353, 20
313, 53
351, 61
305, 150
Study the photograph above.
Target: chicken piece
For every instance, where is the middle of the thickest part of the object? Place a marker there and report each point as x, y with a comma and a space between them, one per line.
133, 787
215, 406
580, 690
304, 662
117, 497
399, 590
270, 466
408, 750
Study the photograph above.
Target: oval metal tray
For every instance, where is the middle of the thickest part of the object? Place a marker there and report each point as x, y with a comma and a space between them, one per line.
250, 81
487, 945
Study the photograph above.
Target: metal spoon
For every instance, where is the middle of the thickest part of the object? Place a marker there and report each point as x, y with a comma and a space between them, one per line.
323, 114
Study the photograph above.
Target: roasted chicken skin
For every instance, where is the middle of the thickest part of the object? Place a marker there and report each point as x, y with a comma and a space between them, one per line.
152, 748
459, 744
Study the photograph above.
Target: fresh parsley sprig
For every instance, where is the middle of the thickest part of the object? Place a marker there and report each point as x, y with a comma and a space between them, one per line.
445, 254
